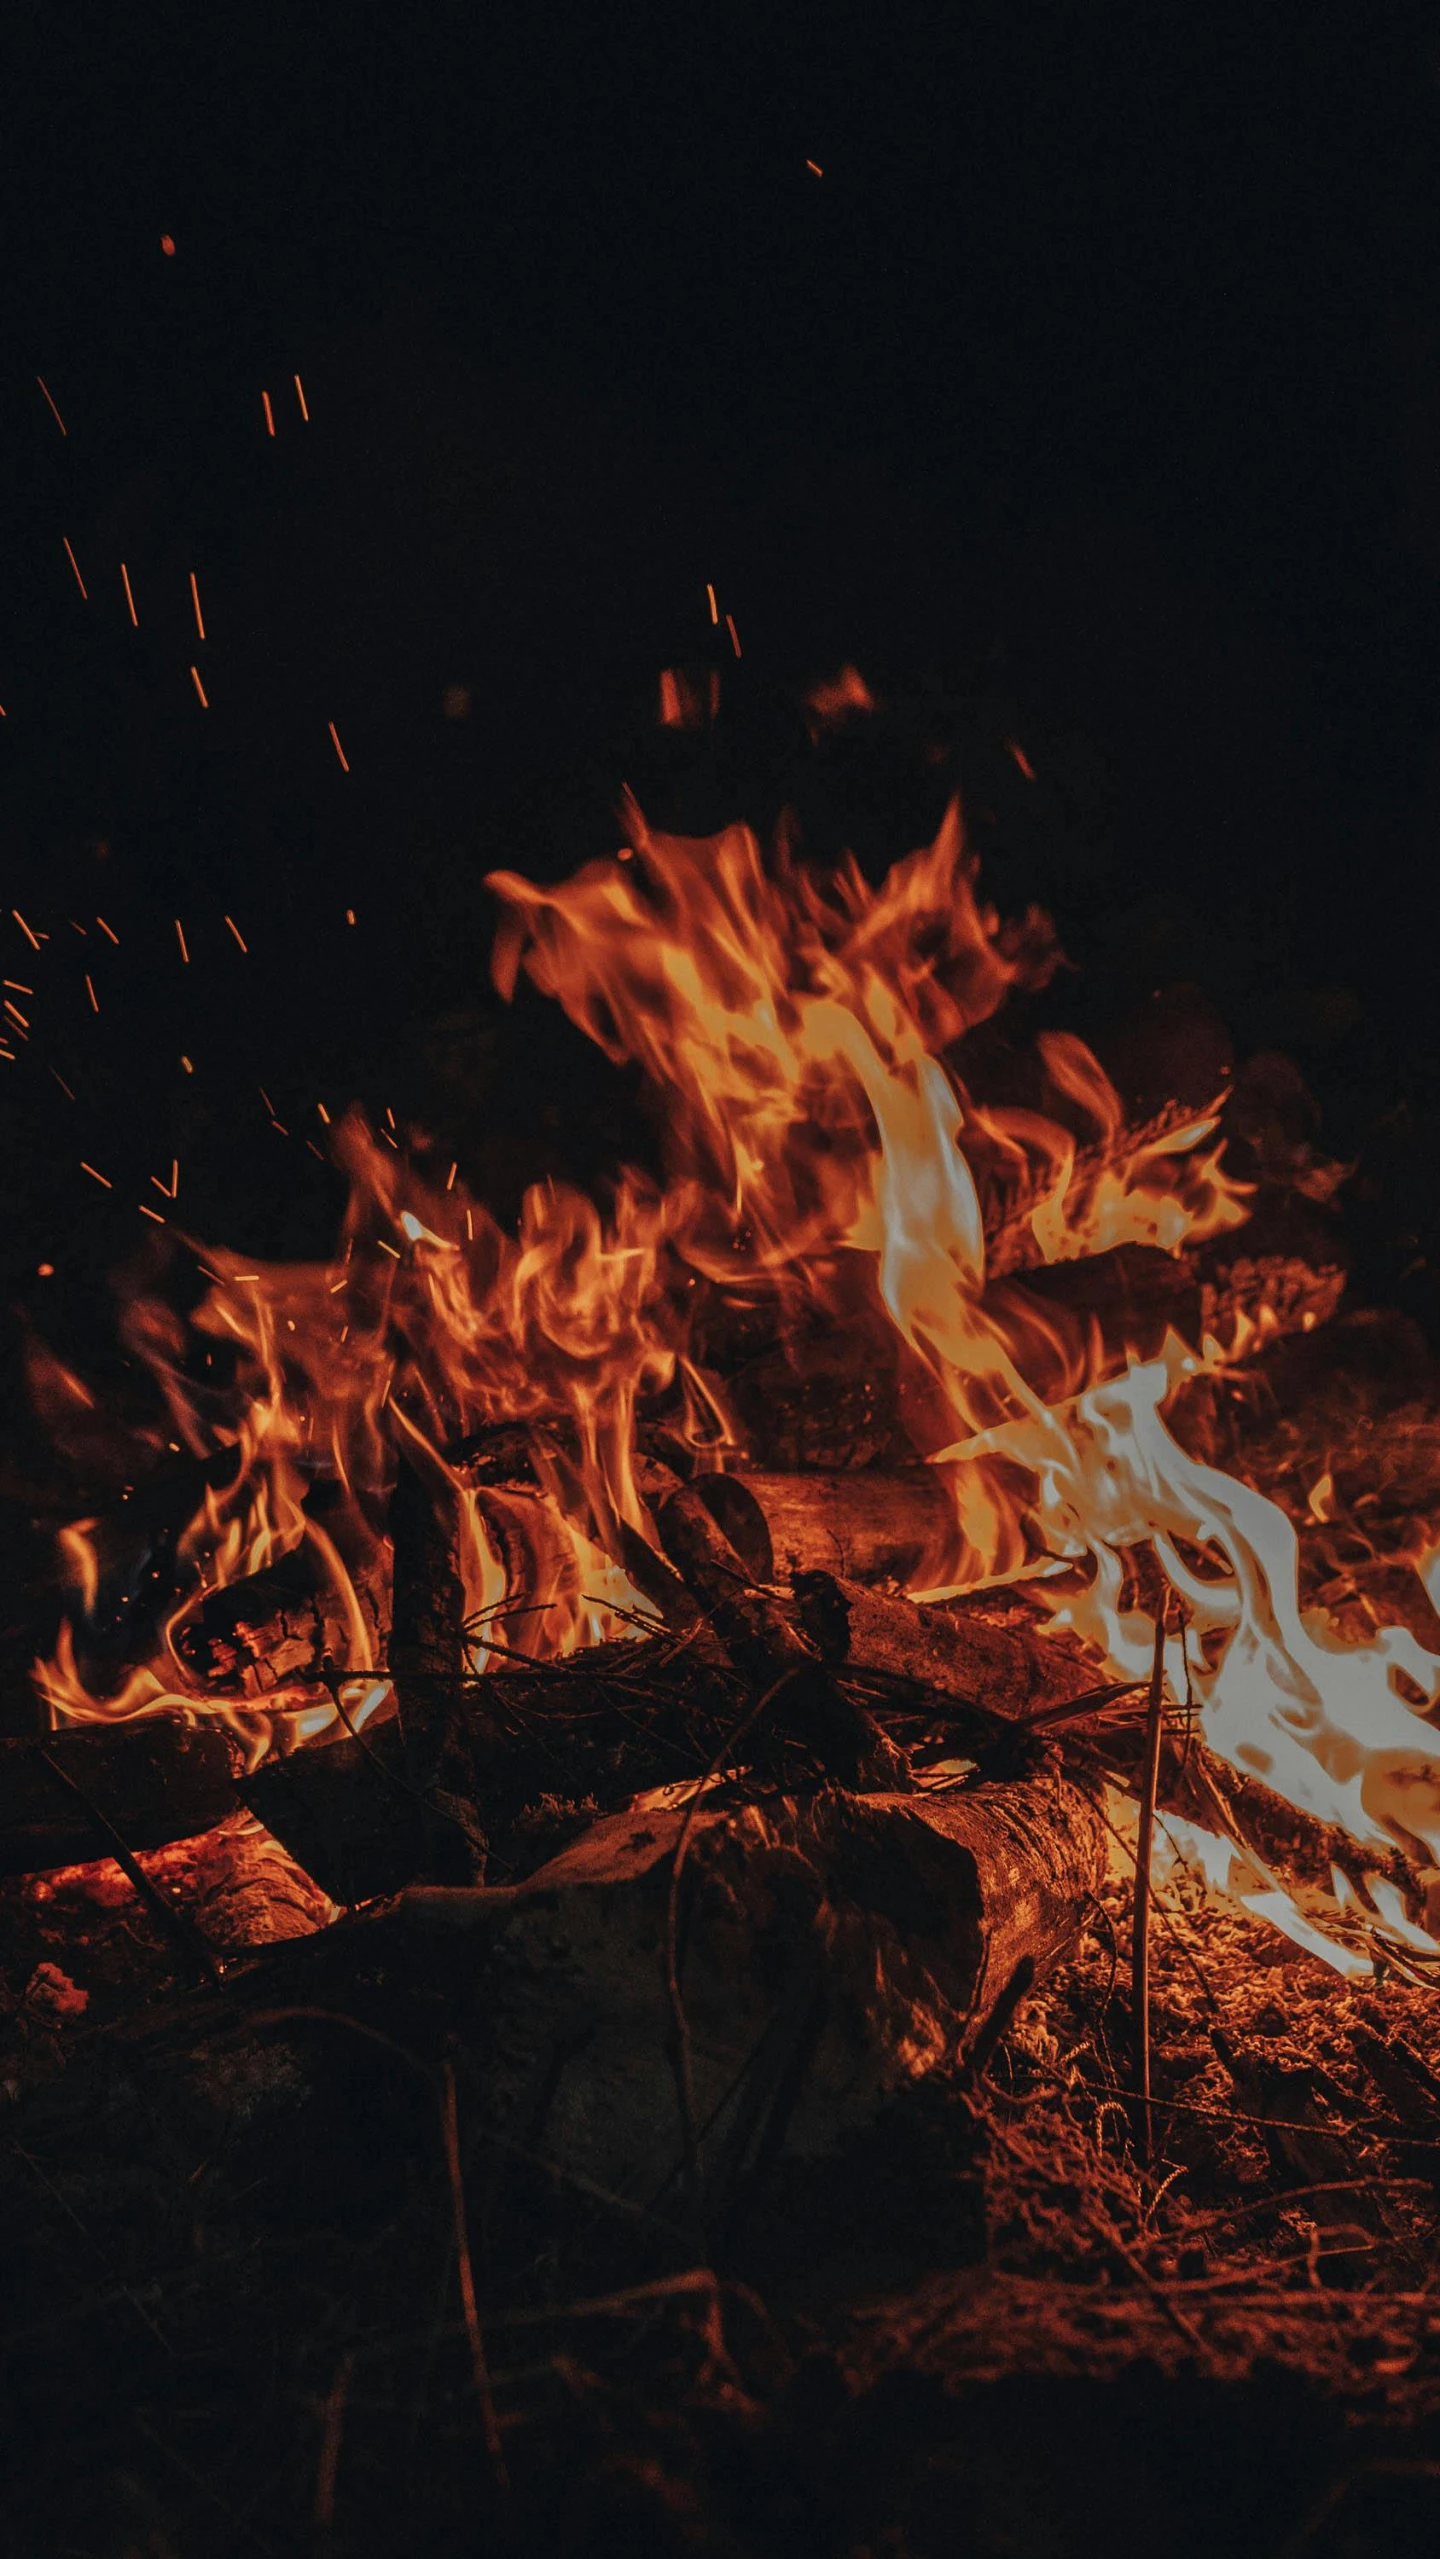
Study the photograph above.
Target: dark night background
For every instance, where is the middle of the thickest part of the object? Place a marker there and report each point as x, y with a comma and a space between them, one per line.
1091, 397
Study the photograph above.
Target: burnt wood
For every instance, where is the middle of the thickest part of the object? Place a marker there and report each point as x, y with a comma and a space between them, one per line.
156, 1779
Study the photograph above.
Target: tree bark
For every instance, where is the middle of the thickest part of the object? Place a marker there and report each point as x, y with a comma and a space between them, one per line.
766, 1646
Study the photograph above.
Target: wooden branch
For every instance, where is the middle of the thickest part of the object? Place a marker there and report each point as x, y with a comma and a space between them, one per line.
1001, 1673
762, 1641
426, 1660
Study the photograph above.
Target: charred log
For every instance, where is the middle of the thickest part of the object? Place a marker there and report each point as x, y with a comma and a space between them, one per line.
427, 1631
155, 1780
997, 1673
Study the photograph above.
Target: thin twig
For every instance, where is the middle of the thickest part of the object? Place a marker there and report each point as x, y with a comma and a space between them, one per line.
1140, 1935
328, 2466
450, 2120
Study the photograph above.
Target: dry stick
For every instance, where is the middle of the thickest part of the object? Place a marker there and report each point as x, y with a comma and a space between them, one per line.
1140, 1937
190, 1939
450, 2119
328, 2467
684, 2073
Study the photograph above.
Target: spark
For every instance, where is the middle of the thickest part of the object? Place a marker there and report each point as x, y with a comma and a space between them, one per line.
106, 930
90, 991
54, 412
349, 914
339, 749
167, 244
239, 936
180, 938
315, 1151
269, 412
734, 634
75, 565
60, 1080
77, 928
44, 1270
714, 607
195, 600
152, 1213
300, 396
16, 1015
186, 1063
339, 1284
324, 1114
469, 1226
450, 1177
815, 165
129, 598
281, 1127
387, 1248
14, 984
25, 929
101, 1178
1022, 759
199, 687
265, 1098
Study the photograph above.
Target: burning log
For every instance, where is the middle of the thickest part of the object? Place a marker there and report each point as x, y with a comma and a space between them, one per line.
764, 1644
833, 1403
833, 1949
867, 1527
156, 1779
1003, 1673
346, 1814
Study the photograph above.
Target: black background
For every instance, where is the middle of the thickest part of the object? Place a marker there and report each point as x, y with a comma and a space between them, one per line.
1090, 397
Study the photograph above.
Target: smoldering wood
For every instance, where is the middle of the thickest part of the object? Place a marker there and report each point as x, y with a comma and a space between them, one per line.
999, 1673
765, 1644
426, 1656
157, 1779
833, 1950
347, 1814
864, 1527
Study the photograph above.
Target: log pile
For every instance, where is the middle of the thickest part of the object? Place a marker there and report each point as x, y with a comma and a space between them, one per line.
778, 1935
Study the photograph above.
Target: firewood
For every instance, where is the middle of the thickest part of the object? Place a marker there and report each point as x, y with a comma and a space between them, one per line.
426, 1657
346, 1813
156, 1779
1002, 1673
866, 1527
885, 1927
762, 1641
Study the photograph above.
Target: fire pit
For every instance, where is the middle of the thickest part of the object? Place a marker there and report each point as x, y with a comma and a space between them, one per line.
787, 1799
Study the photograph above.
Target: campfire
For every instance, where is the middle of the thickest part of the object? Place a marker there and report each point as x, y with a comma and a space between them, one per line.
859, 1656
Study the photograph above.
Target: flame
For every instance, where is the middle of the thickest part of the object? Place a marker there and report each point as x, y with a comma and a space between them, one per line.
823, 1148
